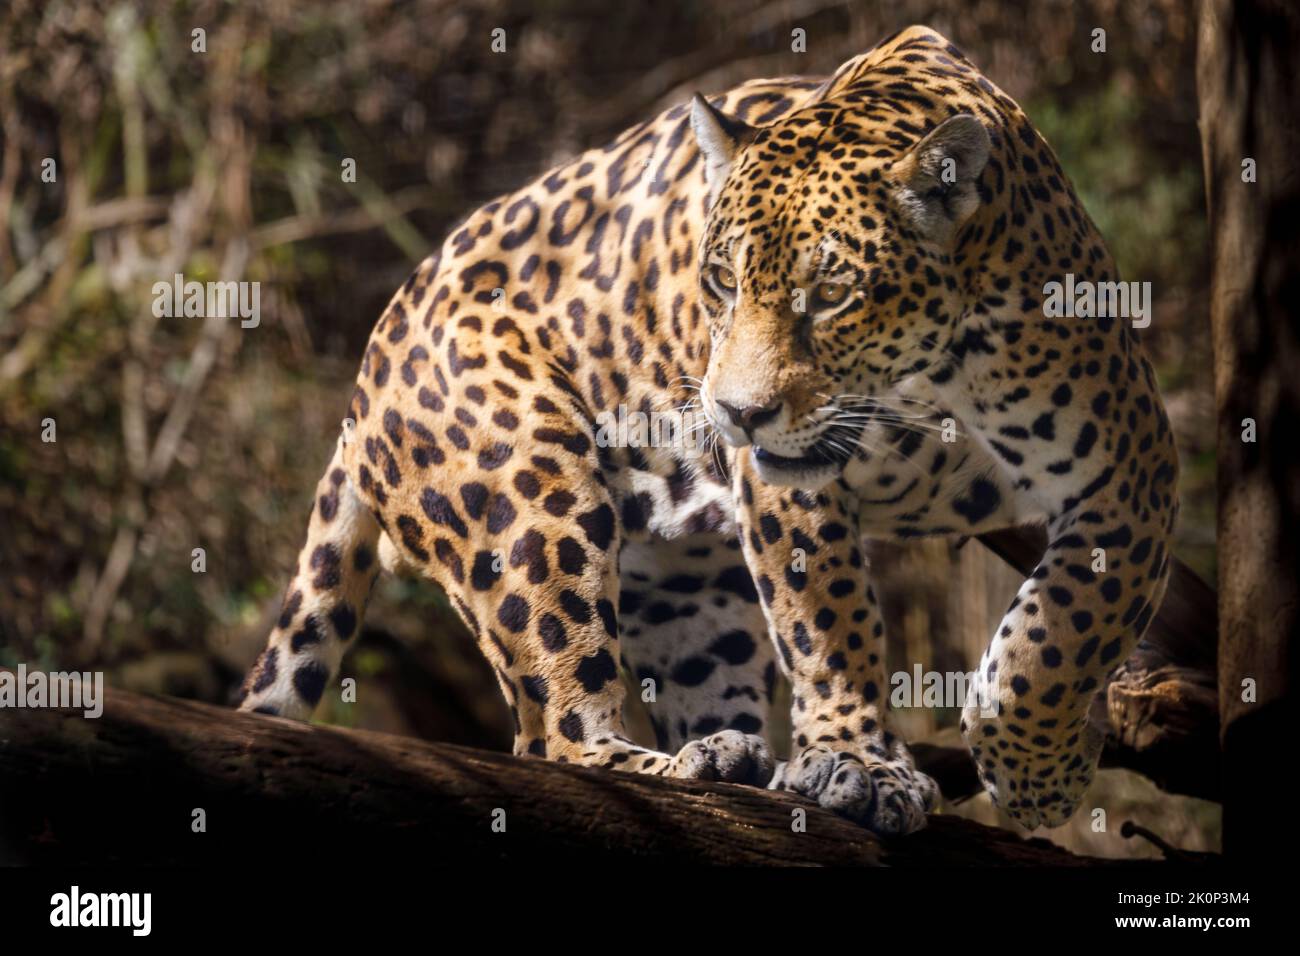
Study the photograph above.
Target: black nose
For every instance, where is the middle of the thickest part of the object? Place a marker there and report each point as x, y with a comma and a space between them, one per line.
752, 416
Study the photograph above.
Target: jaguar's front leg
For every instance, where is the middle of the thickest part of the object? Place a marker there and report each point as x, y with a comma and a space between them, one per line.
1078, 615
804, 553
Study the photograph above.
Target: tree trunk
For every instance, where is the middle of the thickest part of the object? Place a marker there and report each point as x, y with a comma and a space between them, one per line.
1248, 90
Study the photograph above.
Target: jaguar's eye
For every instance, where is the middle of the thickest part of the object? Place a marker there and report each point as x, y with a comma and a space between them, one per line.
724, 277
828, 294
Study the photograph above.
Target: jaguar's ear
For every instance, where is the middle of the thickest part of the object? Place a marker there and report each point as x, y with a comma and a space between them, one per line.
719, 137
937, 178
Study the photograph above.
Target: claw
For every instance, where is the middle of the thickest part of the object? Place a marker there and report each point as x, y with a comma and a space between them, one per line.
888, 798
727, 755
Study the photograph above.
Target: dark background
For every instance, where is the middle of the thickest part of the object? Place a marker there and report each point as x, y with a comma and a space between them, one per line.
170, 438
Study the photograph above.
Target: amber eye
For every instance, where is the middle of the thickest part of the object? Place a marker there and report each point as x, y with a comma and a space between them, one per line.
724, 277
830, 293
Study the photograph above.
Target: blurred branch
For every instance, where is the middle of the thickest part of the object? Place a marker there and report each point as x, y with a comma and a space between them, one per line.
65, 262
122, 553
187, 222
130, 48
125, 210
117, 565
357, 219
215, 329
11, 129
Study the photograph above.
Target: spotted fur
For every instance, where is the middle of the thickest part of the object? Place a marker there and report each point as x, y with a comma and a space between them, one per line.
846, 266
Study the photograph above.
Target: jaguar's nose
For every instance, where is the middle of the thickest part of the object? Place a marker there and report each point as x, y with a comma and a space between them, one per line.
752, 416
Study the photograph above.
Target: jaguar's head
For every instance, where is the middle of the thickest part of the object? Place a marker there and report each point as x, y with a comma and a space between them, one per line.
826, 270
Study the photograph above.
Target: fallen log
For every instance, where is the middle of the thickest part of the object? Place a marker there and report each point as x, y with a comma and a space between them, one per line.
128, 788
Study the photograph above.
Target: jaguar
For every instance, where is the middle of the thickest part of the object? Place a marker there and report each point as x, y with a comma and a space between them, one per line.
836, 285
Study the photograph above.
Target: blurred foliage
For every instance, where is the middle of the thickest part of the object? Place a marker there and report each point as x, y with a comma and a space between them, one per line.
1137, 200
171, 161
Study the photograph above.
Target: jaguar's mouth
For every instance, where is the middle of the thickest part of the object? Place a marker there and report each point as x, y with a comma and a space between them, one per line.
821, 461
818, 456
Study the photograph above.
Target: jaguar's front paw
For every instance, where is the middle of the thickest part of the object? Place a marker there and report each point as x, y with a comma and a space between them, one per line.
887, 795
1040, 781
727, 755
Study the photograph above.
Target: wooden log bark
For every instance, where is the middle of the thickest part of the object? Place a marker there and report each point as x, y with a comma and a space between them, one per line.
1161, 720
124, 789
1248, 87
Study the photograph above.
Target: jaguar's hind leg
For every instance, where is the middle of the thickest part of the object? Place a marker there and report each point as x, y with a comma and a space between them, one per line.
323, 605
695, 642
